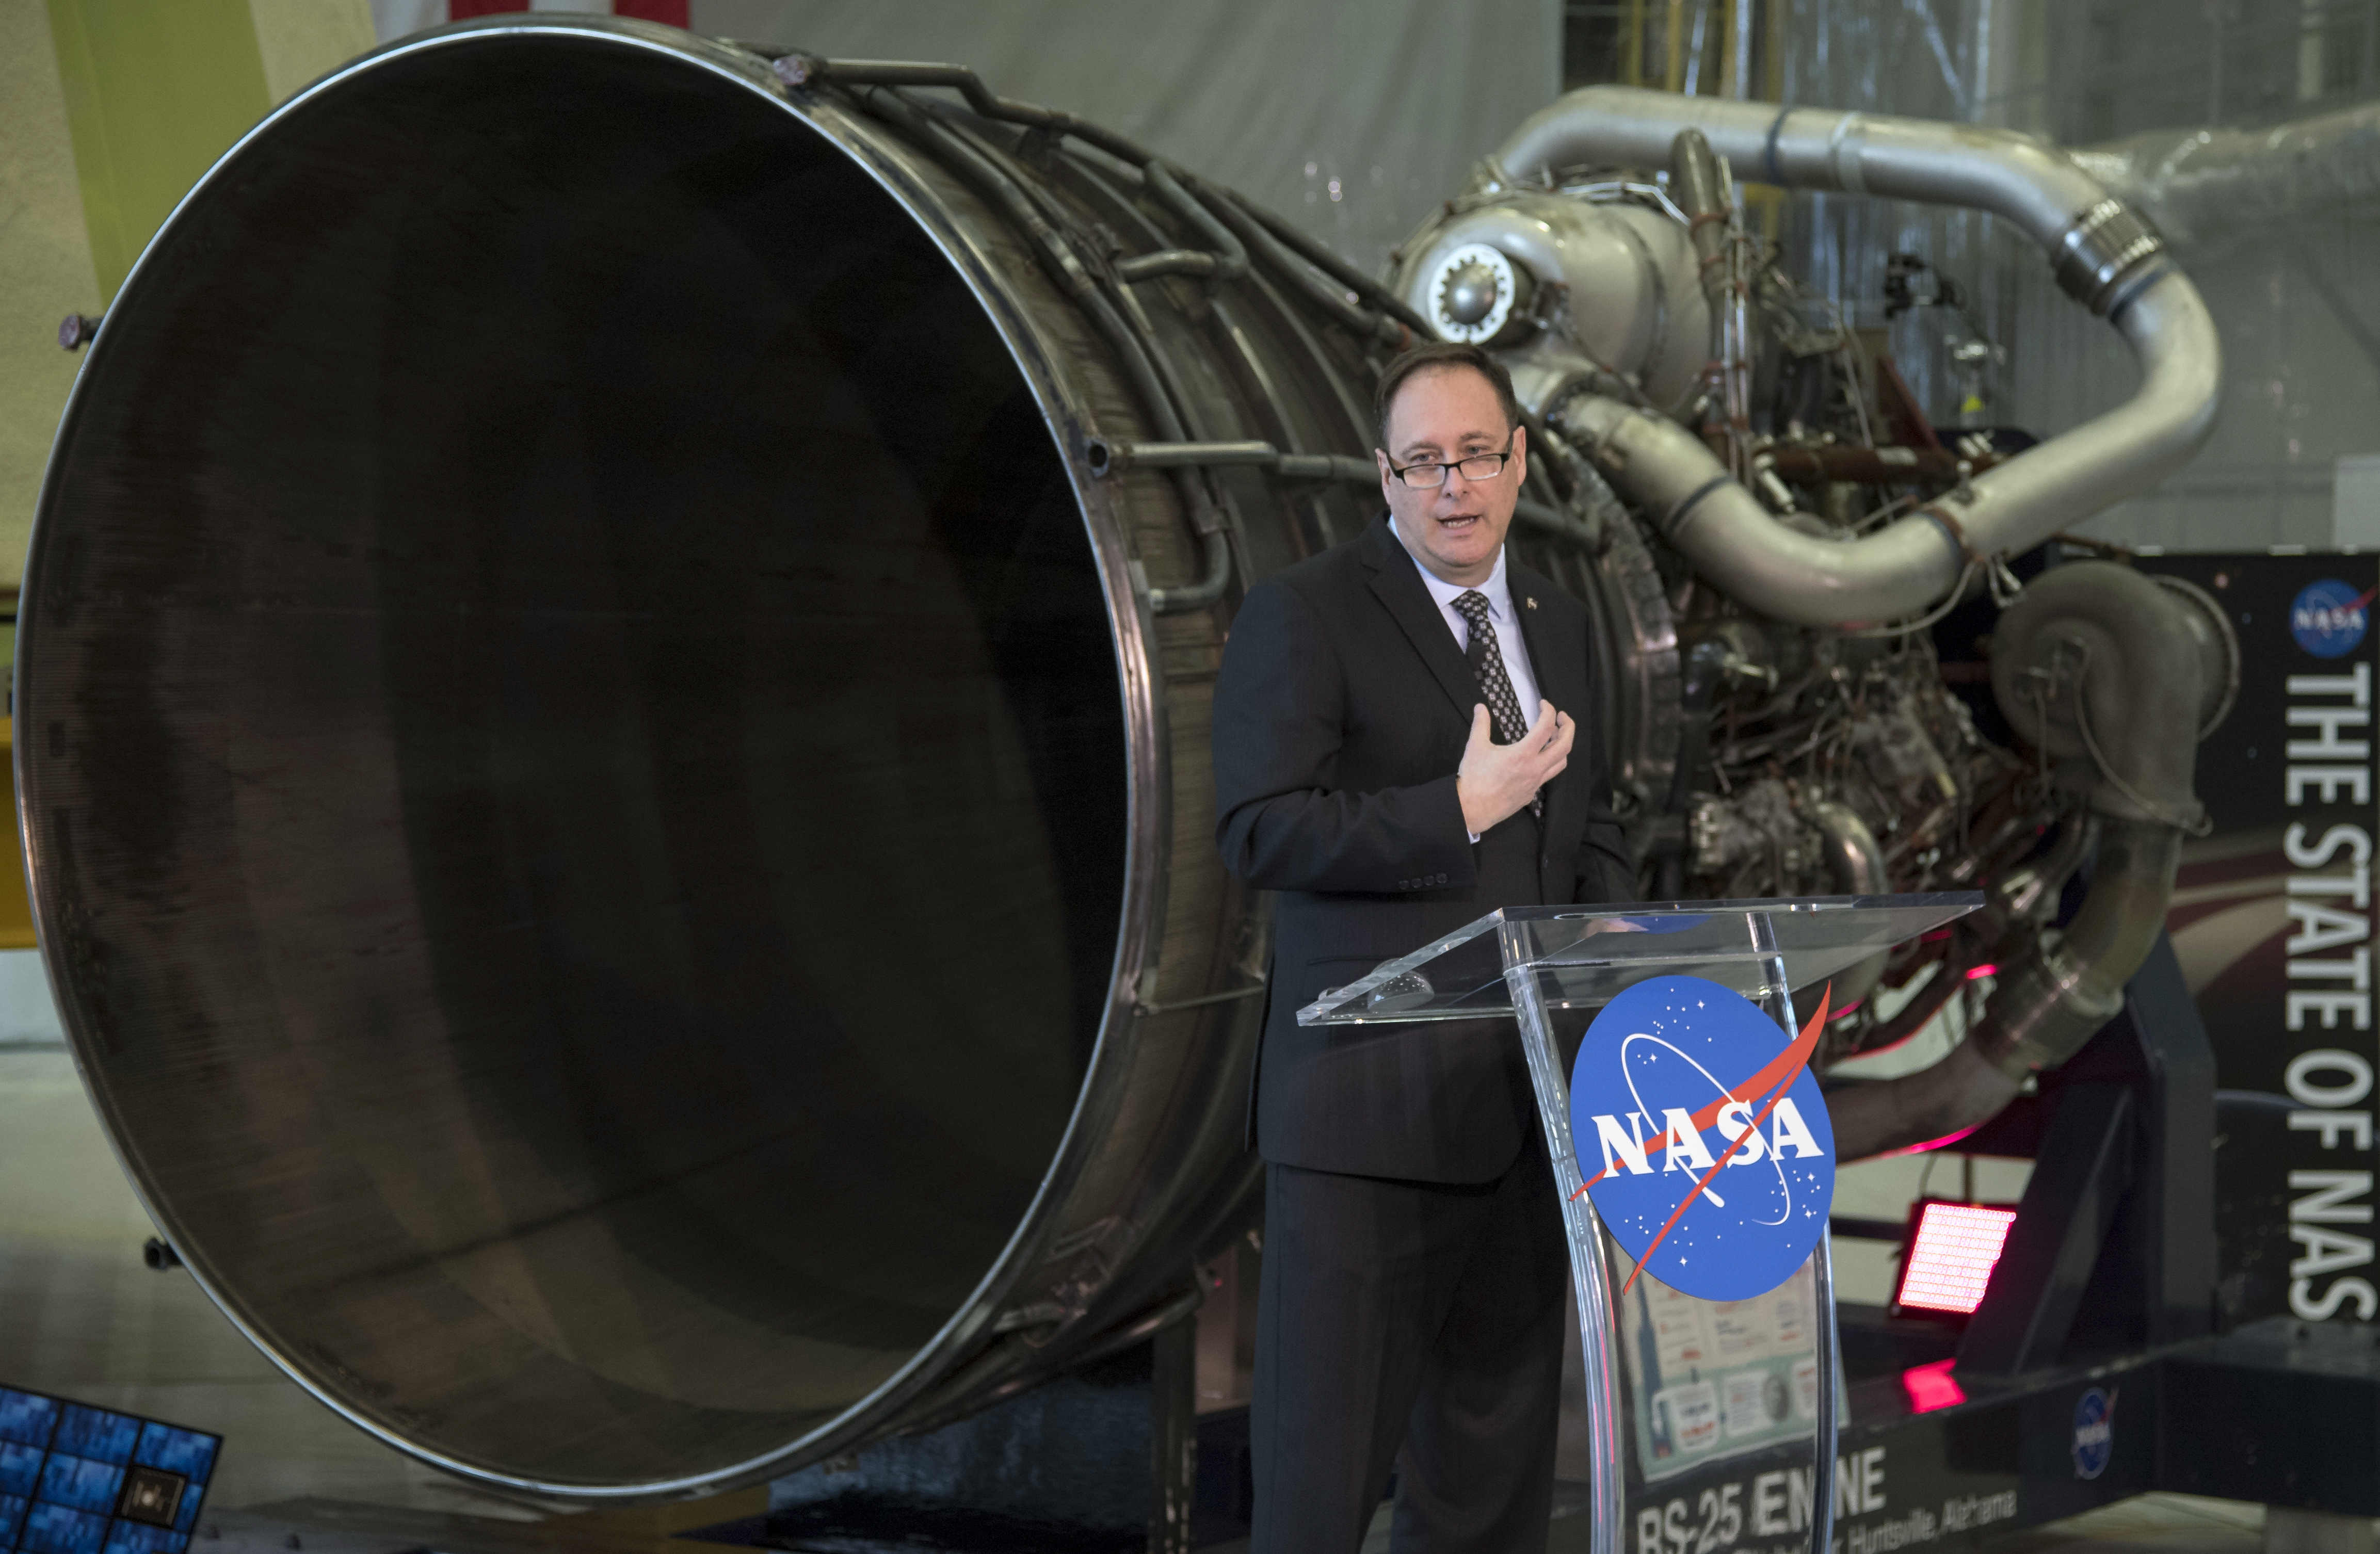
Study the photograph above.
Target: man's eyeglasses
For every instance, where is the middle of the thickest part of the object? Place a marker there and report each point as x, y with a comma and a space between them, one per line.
1430, 476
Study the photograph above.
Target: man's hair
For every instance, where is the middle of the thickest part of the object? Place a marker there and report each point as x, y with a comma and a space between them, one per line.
1430, 357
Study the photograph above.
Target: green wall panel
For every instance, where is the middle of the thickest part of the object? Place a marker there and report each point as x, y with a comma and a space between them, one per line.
155, 90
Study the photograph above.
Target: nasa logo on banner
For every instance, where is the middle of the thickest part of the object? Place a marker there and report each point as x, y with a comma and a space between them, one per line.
2328, 618
1702, 1137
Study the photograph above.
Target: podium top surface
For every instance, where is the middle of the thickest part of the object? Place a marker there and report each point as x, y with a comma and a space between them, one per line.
1582, 956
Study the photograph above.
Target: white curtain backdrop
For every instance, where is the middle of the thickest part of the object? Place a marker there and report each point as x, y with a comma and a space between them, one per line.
1351, 117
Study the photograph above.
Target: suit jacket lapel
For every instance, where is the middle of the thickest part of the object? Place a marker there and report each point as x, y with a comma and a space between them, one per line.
1396, 582
1558, 658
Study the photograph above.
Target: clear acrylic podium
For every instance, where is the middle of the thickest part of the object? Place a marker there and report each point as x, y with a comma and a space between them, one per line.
1528, 962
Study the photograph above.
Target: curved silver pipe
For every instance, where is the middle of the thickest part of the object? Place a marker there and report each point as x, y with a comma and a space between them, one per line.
1853, 857
2042, 1013
1670, 475
2105, 255
1999, 170
2198, 184
1854, 864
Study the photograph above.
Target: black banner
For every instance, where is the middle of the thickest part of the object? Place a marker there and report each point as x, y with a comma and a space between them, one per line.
2272, 922
1933, 1470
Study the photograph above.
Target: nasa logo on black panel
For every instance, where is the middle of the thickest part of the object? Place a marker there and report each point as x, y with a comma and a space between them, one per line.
2095, 1432
1702, 1138
2328, 618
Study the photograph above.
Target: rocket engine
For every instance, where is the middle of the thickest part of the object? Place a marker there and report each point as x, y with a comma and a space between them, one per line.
613, 696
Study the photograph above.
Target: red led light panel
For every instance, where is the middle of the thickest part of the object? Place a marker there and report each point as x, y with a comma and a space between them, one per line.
1951, 1256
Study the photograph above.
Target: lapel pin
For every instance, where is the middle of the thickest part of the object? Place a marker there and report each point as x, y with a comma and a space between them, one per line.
1532, 602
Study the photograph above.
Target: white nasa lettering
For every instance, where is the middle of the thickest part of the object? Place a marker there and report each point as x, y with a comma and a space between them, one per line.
2328, 1203
1700, 1101
1735, 1122
2355, 839
2330, 747
2327, 1250
1630, 1144
2324, 927
2355, 886
1684, 1141
2304, 1301
2330, 942
2326, 780
1792, 1133
2324, 1082
2307, 1068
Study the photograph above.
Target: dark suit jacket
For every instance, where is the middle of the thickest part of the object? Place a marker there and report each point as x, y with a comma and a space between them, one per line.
1340, 715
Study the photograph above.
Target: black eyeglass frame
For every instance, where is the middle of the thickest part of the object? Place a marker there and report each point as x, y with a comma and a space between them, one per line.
1442, 465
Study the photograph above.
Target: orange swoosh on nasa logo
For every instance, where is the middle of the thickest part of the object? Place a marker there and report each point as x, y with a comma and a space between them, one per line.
1780, 1072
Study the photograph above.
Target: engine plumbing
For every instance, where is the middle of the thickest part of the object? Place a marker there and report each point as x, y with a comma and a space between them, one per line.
1834, 581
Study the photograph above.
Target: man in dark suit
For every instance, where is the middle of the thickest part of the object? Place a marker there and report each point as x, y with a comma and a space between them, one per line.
1397, 753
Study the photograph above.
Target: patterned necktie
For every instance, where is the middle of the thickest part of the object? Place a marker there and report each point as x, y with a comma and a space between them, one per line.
1494, 685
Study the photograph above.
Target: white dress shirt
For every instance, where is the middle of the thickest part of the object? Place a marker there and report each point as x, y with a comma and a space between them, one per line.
1497, 591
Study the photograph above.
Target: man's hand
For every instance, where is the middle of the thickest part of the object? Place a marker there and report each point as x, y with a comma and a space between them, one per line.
1495, 781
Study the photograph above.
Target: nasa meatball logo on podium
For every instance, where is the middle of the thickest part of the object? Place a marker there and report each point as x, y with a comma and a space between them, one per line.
1702, 1138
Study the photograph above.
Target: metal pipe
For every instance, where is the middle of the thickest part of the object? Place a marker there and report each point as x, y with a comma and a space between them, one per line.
1167, 261
805, 72
2104, 254
1360, 322
2012, 175
2201, 184
1323, 258
1696, 183
1669, 474
1229, 262
1854, 864
1553, 521
2060, 995
1208, 590
1108, 457
2040, 1014
2101, 669
1875, 466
